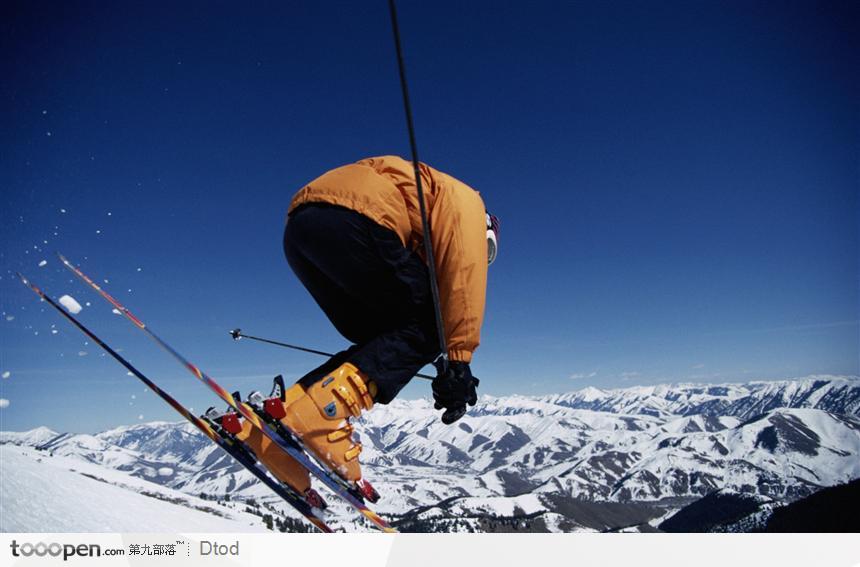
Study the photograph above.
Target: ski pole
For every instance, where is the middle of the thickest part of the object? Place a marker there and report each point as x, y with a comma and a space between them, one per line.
238, 334
428, 244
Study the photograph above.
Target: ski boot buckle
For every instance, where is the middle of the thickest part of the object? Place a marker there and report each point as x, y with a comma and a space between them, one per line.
275, 408
230, 423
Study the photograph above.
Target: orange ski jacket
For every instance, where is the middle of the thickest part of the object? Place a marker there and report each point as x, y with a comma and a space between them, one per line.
383, 189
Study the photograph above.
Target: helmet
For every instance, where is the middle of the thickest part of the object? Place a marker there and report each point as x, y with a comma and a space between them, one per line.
492, 237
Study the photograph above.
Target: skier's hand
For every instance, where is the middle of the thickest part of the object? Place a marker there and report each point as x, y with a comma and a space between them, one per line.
453, 389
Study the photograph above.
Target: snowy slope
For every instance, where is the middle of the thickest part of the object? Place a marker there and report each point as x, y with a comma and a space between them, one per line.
39, 494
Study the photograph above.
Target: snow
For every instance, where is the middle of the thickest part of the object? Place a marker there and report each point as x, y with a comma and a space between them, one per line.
33, 438
40, 494
4, 403
591, 393
43, 263
531, 447
71, 304
501, 506
492, 481
6, 374
116, 312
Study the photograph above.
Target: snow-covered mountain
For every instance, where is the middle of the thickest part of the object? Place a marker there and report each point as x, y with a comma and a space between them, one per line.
30, 438
744, 401
593, 459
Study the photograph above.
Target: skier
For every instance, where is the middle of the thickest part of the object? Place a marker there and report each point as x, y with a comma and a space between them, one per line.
354, 238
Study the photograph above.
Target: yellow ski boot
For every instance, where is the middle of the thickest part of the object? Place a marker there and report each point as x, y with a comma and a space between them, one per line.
282, 466
320, 414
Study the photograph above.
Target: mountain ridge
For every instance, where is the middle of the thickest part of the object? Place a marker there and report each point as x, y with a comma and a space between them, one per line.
543, 458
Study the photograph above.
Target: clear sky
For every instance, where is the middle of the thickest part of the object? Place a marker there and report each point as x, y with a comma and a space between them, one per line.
677, 184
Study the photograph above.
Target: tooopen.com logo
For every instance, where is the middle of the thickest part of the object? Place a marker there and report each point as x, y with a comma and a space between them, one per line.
54, 549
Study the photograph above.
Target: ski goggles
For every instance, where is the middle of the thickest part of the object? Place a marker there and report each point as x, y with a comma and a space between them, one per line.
492, 238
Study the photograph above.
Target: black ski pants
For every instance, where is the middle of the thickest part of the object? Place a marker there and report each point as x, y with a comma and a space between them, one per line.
375, 291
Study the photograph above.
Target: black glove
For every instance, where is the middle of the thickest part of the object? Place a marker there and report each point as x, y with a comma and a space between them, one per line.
453, 389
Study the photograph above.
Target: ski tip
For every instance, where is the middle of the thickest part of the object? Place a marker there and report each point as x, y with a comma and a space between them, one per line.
236, 334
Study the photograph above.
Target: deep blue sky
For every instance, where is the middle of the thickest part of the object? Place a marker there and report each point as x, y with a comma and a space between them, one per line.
677, 183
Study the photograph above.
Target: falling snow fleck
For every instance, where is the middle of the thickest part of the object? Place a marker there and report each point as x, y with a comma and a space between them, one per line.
69, 303
6, 374
43, 263
62, 211
82, 353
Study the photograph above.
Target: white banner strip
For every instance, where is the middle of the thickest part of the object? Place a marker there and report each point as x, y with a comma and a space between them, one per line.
433, 550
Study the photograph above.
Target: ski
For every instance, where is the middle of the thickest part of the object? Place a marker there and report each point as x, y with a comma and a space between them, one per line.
232, 447
290, 443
